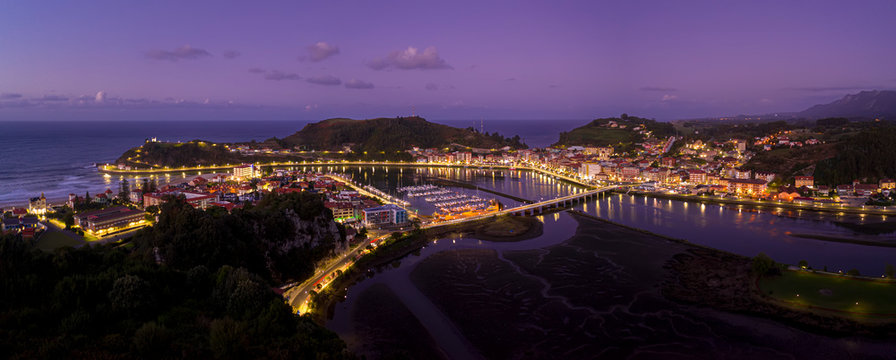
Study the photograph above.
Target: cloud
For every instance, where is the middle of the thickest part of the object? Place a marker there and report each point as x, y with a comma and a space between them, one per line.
321, 51
658, 89
510, 79
256, 70
10, 96
310, 107
279, 76
54, 98
433, 87
100, 97
358, 84
411, 59
324, 80
182, 53
668, 97
765, 101
231, 54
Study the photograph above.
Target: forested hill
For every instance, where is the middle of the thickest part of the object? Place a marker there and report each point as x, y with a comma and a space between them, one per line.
197, 285
615, 131
867, 156
392, 134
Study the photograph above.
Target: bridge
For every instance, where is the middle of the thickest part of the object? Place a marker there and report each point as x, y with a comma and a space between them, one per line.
533, 209
569, 200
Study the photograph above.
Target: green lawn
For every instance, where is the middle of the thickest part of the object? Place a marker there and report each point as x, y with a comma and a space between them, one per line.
54, 239
840, 293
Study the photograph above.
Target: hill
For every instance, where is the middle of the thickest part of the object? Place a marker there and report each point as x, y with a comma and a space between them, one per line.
391, 135
623, 130
867, 156
868, 104
196, 152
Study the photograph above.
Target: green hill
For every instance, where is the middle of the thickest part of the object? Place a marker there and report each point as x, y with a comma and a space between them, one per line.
391, 134
602, 132
196, 152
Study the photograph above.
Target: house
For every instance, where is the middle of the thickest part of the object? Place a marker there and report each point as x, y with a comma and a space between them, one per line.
887, 184
787, 194
865, 189
747, 186
824, 190
768, 177
806, 181
845, 189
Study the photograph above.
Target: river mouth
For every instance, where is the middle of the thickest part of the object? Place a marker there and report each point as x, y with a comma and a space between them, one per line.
584, 289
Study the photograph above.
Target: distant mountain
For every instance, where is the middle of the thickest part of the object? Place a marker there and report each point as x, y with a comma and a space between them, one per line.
391, 134
868, 104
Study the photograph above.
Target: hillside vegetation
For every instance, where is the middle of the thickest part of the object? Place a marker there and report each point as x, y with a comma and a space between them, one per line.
599, 132
867, 156
192, 153
197, 285
391, 135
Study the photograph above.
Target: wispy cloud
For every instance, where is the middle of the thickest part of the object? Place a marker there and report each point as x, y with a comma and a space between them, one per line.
433, 87
257, 70
321, 50
411, 59
668, 97
54, 98
10, 96
358, 84
277, 75
658, 89
324, 80
185, 52
231, 54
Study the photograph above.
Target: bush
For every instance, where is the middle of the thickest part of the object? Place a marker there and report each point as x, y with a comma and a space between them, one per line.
763, 265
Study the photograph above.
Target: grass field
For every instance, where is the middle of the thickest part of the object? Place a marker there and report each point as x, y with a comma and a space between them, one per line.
54, 239
830, 292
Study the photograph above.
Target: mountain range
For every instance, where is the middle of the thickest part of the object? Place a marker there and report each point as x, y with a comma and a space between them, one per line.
865, 104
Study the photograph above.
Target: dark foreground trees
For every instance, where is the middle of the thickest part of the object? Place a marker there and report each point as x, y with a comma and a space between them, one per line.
112, 301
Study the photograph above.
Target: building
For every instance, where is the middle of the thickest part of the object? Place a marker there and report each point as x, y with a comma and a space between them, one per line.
244, 171
697, 176
38, 205
385, 215
747, 186
589, 170
341, 210
109, 220
198, 200
806, 181
887, 184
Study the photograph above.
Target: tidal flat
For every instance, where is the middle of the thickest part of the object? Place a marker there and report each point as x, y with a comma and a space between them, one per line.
597, 292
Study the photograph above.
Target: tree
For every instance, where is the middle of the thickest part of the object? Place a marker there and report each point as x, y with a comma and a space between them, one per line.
853, 272
804, 264
131, 293
763, 265
151, 339
890, 271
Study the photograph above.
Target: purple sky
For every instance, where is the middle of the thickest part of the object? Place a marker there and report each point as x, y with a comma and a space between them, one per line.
445, 60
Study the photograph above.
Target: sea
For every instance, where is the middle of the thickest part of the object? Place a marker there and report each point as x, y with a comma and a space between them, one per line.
57, 158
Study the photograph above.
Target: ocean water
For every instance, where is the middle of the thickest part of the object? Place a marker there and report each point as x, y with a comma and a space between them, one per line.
57, 158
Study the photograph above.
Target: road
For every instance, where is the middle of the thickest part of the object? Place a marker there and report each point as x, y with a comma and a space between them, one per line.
300, 294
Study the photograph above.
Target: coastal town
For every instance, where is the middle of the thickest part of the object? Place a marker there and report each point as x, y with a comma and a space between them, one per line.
670, 166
